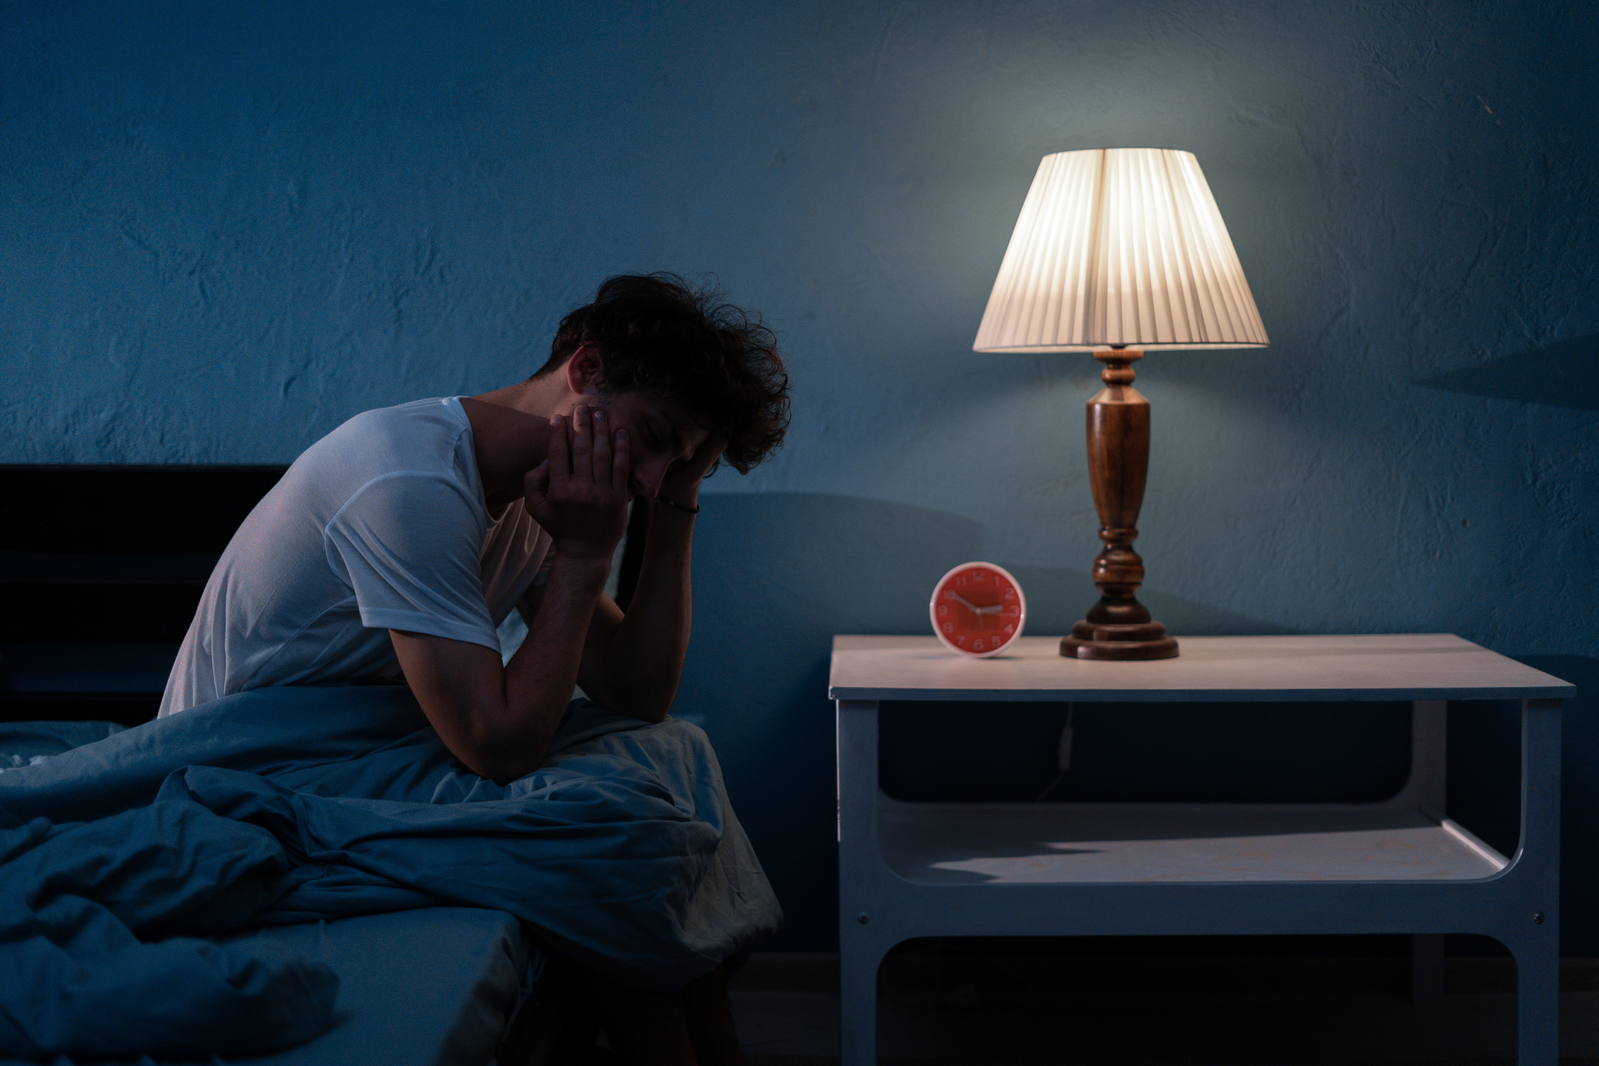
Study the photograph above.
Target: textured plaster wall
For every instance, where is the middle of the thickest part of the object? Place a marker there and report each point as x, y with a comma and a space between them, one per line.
224, 228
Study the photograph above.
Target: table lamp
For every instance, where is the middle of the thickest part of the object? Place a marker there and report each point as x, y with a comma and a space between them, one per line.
1119, 251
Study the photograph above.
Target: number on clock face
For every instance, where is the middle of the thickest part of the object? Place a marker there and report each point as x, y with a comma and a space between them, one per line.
978, 609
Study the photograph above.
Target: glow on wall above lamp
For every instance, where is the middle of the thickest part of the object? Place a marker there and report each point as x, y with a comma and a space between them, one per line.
1117, 251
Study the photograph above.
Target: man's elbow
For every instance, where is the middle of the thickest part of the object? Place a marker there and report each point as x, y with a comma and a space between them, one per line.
501, 755
644, 708
644, 701
499, 768
501, 771
491, 765
653, 715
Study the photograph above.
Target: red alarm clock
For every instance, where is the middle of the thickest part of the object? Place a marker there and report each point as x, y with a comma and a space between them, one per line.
978, 609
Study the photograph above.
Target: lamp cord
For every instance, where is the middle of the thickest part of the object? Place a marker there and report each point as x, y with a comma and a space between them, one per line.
1063, 754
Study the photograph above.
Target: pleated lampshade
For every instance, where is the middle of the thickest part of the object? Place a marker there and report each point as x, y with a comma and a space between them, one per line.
1119, 246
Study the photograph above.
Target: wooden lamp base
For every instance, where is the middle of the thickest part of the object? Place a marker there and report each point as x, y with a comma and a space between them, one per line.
1092, 639
1118, 627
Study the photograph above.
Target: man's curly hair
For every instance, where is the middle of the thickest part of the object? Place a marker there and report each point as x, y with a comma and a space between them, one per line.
658, 334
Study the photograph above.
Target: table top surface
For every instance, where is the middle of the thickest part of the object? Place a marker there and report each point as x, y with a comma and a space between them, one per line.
1409, 666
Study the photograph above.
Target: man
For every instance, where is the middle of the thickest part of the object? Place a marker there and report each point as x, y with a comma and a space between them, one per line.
395, 545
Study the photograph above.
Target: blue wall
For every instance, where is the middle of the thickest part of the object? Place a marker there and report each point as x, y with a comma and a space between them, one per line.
224, 228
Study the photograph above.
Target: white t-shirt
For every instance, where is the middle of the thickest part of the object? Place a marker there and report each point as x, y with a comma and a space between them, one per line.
379, 525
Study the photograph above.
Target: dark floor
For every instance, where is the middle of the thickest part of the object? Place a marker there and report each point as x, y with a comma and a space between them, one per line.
956, 1009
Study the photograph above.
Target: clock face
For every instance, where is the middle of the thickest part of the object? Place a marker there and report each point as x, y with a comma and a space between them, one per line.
978, 609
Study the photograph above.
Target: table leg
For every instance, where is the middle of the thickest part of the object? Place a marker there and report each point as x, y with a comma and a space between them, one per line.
1538, 1003
860, 950
857, 988
1426, 788
1537, 948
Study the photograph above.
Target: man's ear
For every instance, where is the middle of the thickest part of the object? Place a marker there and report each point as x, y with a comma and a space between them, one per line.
583, 375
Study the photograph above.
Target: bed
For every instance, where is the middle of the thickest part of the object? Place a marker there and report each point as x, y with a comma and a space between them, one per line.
374, 903
457, 971
133, 862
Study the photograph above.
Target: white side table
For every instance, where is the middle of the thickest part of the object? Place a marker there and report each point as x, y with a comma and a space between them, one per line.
1077, 869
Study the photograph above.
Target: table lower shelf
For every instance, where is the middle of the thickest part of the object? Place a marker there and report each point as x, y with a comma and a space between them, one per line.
1071, 843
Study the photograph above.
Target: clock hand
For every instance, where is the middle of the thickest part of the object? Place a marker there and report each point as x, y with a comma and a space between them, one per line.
970, 606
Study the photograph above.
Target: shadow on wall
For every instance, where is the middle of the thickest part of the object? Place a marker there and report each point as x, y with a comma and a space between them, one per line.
1560, 375
776, 576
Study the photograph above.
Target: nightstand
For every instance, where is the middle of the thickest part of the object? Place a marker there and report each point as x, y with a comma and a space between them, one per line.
1077, 869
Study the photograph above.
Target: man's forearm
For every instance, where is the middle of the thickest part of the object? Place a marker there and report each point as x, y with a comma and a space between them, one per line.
644, 661
499, 720
541, 675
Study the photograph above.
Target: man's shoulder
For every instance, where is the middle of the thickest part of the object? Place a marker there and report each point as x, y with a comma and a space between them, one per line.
423, 436
419, 446
439, 416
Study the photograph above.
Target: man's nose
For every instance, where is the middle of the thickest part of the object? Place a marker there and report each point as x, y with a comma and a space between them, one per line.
647, 479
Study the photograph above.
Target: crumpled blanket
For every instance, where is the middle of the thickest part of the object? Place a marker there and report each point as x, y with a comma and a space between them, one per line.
293, 804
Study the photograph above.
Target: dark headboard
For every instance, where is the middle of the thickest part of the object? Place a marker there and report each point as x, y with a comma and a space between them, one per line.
101, 568
100, 571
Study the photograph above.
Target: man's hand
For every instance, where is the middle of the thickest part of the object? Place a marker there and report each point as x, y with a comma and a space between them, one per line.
580, 493
682, 485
